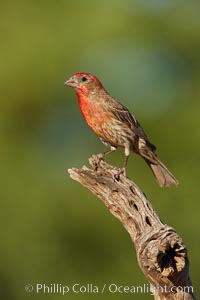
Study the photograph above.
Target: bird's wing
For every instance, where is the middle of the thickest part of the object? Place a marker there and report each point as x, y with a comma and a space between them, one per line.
123, 115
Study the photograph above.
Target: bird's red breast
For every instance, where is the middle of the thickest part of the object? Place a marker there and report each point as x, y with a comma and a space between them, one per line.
93, 113
88, 89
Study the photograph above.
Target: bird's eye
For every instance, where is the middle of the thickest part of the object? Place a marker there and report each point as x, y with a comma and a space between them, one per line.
84, 78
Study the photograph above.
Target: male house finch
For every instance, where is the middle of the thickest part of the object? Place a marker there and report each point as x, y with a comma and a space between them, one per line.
115, 125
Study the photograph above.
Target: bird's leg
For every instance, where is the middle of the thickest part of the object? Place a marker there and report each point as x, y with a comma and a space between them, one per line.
123, 170
101, 156
112, 149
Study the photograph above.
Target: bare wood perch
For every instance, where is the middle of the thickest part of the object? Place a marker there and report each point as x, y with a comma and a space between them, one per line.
161, 253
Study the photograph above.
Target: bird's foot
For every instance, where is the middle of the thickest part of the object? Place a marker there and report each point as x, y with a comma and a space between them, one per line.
120, 172
96, 160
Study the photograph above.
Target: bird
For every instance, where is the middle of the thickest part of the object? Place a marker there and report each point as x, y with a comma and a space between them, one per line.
112, 122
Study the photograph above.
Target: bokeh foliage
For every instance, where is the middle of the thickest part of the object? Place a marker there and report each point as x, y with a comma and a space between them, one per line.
147, 54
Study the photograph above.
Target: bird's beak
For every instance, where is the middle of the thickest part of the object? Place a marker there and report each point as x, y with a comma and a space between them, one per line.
71, 82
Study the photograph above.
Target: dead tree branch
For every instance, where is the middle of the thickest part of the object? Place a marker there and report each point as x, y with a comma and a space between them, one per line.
161, 253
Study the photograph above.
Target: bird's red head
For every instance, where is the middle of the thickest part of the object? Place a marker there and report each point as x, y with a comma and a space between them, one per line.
84, 83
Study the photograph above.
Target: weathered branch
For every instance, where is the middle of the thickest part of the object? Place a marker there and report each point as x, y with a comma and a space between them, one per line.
161, 253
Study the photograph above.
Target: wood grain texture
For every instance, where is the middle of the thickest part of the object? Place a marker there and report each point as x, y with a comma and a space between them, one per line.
161, 253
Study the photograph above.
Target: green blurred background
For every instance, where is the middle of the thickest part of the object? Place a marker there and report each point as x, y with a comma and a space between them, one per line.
147, 54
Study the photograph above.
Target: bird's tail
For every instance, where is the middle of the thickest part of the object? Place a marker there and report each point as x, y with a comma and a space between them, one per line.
162, 174
160, 171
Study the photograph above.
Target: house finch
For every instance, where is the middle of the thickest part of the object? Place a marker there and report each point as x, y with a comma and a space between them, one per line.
115, 125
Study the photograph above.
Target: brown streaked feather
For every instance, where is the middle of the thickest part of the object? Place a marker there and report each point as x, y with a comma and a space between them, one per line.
122, 114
